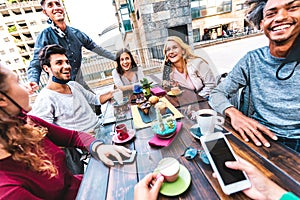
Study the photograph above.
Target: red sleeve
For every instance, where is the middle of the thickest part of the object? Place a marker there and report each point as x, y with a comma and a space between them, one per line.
16, 192
65, 137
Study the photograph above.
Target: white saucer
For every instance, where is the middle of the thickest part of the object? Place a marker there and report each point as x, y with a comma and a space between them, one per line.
131, 134
217, 129
170, 93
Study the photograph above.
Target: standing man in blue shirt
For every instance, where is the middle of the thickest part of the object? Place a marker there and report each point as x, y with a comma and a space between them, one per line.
68, 37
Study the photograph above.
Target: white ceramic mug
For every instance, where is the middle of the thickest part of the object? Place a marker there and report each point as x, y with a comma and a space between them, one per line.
118, 96
169, 168
207, 119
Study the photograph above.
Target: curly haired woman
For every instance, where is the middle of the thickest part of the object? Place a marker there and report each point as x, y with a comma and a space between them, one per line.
32, 166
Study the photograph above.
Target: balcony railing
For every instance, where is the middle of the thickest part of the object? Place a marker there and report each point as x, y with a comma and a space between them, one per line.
96, 68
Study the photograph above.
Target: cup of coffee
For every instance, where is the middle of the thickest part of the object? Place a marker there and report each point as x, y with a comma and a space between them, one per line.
118, 96
175, 90
122, 132
169, 168
207, 119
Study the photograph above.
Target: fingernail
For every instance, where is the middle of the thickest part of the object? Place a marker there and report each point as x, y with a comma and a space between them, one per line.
258, 143
267, 144
275, 137
161, 178
246, 140
158, 176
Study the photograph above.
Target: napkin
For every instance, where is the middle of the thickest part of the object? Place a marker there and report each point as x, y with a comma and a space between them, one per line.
158, 91
156, 141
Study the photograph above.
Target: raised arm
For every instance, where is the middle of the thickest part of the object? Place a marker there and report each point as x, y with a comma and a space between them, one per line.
89, 44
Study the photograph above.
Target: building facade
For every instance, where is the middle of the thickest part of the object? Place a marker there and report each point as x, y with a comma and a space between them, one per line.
20, 23
147, 23
152, 21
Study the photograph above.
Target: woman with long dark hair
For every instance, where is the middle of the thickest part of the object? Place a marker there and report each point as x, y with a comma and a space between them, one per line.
127, 73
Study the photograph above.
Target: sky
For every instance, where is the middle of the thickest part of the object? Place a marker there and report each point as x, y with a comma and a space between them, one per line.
91, 16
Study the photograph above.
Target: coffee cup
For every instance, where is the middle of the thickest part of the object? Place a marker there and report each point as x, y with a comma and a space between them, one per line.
122, 132
175, 90
207, 119
118, 96
169, 168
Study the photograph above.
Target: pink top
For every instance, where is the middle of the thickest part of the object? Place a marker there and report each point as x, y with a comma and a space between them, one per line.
183, 80
20, 182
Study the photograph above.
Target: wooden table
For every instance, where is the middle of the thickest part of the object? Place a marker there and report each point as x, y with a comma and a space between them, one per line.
100, 182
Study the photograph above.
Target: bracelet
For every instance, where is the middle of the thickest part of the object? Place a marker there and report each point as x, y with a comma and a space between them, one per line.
289, 196
96, 141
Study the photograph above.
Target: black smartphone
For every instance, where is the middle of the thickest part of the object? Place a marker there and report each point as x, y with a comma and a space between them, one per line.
218, 151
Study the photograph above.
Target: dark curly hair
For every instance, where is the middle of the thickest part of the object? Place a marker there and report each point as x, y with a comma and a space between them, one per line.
133, 63
47, 51
254, 14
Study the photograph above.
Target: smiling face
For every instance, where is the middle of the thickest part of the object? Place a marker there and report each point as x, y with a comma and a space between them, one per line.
60, 67
281, 22
16, 91
174, 52
54, 10
125, 61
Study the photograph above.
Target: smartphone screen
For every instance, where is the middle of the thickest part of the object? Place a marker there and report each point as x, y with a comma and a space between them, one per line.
221, 153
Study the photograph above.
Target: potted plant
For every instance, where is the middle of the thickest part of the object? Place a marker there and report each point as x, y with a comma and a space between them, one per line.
146, 85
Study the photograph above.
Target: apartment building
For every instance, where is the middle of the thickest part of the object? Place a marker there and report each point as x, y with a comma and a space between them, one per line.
147, 23
20, 23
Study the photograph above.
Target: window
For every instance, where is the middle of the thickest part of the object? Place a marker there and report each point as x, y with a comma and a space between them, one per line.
195, 9
138, 15
130, 6
2, 52
33, 23
11, 50
202, 8
241, 6
125, 17
6, 39
196, 35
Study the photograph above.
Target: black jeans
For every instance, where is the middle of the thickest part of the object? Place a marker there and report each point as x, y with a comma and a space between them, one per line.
291, 143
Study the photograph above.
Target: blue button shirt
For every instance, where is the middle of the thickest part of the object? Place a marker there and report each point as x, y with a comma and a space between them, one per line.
73, 43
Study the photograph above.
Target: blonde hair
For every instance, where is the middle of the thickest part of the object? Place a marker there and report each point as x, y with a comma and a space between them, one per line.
188, 52
24, 140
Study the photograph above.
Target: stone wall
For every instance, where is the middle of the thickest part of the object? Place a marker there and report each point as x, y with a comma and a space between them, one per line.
157, 16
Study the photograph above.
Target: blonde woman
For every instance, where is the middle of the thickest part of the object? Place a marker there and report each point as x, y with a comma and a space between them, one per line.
187, 69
